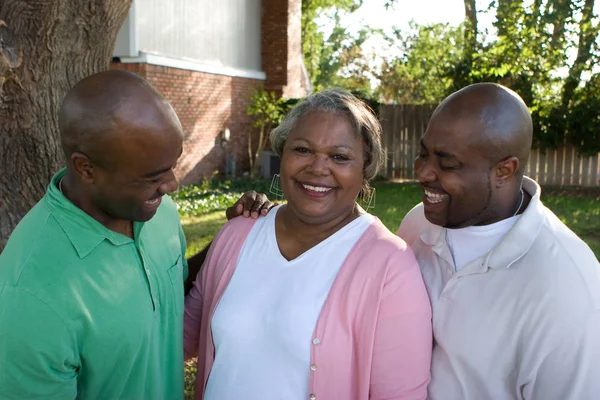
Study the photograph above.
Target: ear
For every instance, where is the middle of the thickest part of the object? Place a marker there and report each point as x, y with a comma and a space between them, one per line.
83, 167
505, 170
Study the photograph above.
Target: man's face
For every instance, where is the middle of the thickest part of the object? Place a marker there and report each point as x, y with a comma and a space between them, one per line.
140, 171
455, 176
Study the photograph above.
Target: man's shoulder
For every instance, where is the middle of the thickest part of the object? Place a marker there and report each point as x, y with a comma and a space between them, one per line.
413, 224
166, 218
33, 258
570, 248
167, 207
566, 261
415, 215
28, 241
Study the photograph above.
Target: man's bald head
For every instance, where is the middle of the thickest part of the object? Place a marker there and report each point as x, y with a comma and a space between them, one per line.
506, 126
95, 110
122, 141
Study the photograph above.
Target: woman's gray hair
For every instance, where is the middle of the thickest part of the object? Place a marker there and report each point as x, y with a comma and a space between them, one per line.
341, 102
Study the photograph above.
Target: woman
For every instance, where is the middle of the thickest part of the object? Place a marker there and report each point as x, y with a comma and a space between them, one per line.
317, 300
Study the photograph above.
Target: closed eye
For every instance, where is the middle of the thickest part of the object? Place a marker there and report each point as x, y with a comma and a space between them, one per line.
449, 167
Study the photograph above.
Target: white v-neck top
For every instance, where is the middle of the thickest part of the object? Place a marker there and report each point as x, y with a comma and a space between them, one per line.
264, 322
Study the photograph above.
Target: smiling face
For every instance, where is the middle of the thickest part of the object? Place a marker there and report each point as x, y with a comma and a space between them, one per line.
455, 175
322, 167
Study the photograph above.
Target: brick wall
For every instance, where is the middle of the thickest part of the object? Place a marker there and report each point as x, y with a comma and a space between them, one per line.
206, 104
281, 50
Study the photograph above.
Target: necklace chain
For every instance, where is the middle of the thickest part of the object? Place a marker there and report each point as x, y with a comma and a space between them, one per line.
520, 203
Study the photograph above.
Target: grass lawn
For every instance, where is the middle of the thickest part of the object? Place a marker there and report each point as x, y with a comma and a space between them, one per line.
578, 208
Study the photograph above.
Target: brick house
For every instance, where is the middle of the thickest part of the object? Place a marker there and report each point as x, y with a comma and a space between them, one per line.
207, 57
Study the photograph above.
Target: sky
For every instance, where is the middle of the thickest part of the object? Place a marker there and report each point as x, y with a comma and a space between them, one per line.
374, 13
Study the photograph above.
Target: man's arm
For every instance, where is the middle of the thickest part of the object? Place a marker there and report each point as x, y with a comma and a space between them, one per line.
571, 371
38, 351
251, 204
194, 264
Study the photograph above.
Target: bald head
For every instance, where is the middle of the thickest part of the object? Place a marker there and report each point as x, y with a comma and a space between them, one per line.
99, 111
505, 123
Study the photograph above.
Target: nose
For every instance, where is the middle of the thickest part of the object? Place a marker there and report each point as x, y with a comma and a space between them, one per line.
319, 165
170, 184
424, 170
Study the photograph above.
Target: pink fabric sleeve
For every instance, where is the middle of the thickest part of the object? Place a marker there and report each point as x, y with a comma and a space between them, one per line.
192, 318
403, 343
194, 301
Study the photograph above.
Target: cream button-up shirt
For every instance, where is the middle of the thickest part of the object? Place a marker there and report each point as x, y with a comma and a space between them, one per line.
522, 321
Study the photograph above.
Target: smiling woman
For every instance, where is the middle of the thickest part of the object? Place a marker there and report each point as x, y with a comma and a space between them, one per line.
317, 299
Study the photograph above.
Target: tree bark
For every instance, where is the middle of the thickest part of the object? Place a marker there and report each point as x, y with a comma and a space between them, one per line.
587, 36
471, 26
45, 48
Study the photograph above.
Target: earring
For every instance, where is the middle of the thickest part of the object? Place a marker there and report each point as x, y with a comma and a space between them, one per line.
368, 199
275, 188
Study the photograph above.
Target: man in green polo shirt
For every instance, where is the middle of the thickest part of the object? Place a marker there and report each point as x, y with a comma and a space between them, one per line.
91, 280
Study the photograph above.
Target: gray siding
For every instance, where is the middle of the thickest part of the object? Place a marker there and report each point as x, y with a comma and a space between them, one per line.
216, 32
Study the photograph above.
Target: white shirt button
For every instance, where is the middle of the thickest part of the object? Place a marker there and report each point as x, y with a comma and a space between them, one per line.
316, 341
313, 367
312, 396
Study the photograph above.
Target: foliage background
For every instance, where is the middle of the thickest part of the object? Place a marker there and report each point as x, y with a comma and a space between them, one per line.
545, 50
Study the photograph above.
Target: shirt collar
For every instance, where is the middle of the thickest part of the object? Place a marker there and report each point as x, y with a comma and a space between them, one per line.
519, 239
83, 231
433, 234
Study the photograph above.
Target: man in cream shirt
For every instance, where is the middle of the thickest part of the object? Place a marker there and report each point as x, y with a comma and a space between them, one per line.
515, 293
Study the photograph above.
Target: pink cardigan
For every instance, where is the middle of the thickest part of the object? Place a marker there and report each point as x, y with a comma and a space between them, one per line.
373, 338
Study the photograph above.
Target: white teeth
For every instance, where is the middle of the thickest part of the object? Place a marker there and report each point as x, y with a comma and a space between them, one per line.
435, 198
316, 188
152, 202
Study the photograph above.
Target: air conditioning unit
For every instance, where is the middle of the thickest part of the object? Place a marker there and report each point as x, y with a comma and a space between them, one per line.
269, 164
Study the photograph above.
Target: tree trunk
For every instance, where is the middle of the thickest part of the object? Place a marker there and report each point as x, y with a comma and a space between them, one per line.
561, 12
462, 70
45, 48
471, 26
587, 36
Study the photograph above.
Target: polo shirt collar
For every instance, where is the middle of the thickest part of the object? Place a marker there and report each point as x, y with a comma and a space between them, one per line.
83, 231
435, 236
519, 239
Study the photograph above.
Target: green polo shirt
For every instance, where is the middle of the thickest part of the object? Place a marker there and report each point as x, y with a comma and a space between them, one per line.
89, 313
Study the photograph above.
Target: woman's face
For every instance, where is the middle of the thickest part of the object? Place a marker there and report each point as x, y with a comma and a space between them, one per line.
322, 167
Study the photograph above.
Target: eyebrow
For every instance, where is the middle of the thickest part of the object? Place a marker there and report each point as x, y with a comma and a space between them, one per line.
439, 153
156, 173
337, 146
